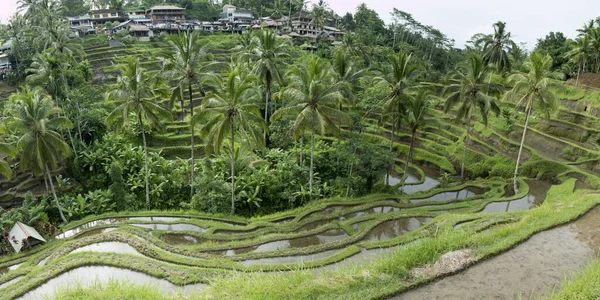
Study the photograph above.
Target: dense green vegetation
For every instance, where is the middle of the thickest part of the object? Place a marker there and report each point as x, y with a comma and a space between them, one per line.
256, 141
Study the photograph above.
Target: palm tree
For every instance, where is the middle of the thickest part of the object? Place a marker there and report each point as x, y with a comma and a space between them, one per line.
183, 64
417, 108
136, 93
232, 106
497, 46
397, 79
534, 88
268, 54
469, 88
578, 53
35, 119
312, 99
48, 69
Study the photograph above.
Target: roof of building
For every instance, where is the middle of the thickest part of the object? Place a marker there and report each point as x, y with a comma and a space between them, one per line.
166, 7
77, 18
138, 28
228, 5
20, 232
6, 45
101, 11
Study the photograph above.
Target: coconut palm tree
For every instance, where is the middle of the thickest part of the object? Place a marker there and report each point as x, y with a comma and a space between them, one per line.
534, 88
268, 55
417, 109
136, 94
578, 54
397, 77
470, 89
232, 107
183, 63
312, 98
48, 69
35, 119
497, 46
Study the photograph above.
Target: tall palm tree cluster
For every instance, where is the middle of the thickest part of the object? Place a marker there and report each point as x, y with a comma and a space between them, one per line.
585, 51
37, 118
232, 105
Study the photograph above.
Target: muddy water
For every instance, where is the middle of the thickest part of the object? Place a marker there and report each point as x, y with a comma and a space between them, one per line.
537, 194
391, 229
377, 209
179, 239
534, 268
290, 259
328, 236
396, 178
89, 275
429, 182
173, 227
114, 247
96, 231
455, 195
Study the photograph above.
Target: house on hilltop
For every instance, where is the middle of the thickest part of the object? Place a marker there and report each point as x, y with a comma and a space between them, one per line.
100, 17
233, 14
165, 14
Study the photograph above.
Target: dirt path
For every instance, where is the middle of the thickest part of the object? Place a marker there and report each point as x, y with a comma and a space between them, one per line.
531, 269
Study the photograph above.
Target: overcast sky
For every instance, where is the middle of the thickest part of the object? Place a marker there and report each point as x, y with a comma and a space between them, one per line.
528, 20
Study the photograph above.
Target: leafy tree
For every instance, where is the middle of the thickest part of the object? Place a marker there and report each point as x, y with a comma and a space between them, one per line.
312, 97
35, 119
136, 93
184, 64
469, 88
75, 7
347, 22
556, 45
348, 75
534, 88
417, 109
232, 106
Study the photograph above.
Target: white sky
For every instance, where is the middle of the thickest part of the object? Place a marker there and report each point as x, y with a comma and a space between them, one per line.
528, 20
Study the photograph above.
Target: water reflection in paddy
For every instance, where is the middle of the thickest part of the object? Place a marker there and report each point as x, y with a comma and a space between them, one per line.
290, 259
178, 239
328, 236
72, 232
396, 178
428, 183
454, 195
173, 227
113, 247
88, 275
391, 229
377, 209
537, 193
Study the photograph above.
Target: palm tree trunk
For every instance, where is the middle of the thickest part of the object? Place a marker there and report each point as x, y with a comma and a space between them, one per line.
301, 144
62, 216
387, 177
578, 71
267, 94
516, 189
232, 169
410, 150
192, 140
312, 154
145, 160
182, 105
462, 168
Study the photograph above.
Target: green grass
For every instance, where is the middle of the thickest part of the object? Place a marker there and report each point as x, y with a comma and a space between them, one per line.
112, 290
584, 285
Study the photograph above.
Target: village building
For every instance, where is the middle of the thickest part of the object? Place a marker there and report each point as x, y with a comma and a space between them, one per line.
165, 14
233, 14
100, 17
